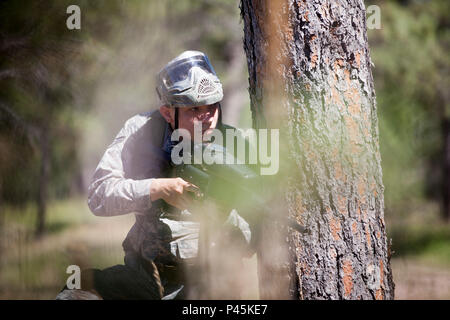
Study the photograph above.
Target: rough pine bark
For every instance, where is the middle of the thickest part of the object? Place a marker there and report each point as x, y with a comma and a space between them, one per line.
310, 76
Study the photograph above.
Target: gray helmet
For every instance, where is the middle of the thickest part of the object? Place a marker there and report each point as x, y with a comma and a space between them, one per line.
189, 80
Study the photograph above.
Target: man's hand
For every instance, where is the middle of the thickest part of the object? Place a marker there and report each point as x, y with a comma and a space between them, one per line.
174, 191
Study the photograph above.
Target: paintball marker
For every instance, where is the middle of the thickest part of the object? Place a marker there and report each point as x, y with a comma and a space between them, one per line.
229, 185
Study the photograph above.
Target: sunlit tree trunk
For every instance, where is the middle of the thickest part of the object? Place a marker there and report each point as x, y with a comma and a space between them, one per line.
310, 76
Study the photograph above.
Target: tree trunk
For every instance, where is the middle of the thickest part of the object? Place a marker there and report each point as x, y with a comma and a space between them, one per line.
446, 169
310, 75
43, 181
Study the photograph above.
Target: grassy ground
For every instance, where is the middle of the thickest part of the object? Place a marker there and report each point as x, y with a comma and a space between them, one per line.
36, 268
421, 251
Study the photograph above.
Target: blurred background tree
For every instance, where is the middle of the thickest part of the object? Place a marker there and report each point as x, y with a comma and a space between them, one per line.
38, 140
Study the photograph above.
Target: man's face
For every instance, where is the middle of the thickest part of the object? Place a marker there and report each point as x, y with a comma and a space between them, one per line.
204, 116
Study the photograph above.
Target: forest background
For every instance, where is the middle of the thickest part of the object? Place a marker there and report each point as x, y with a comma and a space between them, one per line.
64, 95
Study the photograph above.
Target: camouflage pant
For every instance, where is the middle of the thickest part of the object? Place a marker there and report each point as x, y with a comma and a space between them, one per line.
151, 271
138, 279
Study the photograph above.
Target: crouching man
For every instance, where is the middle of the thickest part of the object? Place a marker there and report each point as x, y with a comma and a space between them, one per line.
133, 176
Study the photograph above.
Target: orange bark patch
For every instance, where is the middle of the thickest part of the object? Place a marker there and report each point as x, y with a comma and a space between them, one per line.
366, 131
361, 188
301, 210
379, 294
354, 227
353, 99
342, 204
352, 127
353, 133
373, 187
288, 32
338, 172
358, 59
347, 279
335, 97
369, 242
314, 60
335, 227
347, 77
378, 234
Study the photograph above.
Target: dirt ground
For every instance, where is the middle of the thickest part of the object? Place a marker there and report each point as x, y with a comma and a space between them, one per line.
416, 280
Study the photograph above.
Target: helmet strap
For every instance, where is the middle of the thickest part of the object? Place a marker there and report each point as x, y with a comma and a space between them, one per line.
176, 118
219, 121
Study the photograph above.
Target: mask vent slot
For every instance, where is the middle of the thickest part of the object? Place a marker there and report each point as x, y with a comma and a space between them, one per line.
206, 86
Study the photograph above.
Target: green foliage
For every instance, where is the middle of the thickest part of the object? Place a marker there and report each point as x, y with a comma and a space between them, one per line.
431, 244
36, 268
411, 78
35, 91
51, 76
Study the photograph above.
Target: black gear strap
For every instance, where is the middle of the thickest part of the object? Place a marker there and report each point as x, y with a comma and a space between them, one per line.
176, 119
